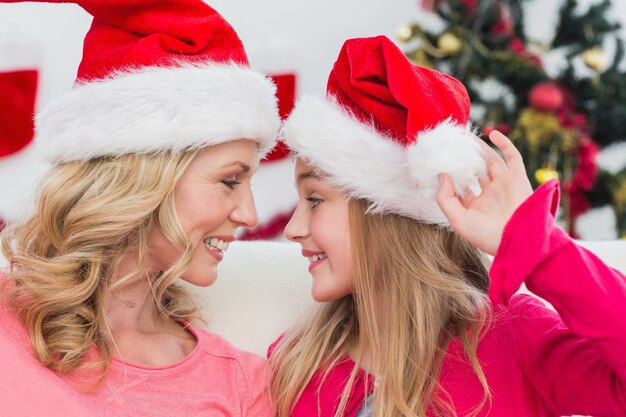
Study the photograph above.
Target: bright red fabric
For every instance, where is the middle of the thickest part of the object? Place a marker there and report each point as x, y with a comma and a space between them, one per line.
537, 362
374, 80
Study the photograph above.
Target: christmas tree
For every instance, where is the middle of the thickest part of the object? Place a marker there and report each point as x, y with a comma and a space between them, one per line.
559, 121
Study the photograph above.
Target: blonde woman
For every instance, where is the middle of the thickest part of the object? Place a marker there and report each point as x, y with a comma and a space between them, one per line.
413, 323
153, 151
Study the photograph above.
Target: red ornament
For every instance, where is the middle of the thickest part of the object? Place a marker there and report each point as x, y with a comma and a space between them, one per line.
546, 96
506, 23
517, 46
584, 179
572, 120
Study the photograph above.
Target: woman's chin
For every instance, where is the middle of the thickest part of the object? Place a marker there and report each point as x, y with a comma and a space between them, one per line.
203, 279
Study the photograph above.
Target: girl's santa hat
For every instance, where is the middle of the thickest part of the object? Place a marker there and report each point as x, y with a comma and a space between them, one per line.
157, 75
387, 129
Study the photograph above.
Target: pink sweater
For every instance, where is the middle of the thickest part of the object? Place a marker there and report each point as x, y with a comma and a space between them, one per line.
216, 379
537, 362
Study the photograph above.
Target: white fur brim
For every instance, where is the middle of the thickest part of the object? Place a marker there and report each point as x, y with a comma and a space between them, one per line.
447, 148
159, 108
365, 164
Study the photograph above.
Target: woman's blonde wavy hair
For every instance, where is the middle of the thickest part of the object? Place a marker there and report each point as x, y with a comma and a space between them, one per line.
416, 287
89, 214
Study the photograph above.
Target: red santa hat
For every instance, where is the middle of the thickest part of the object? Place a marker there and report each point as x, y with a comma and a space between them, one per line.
157, 75
387, 129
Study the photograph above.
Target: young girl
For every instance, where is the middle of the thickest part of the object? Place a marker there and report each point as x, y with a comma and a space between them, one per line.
153, 151
412, 322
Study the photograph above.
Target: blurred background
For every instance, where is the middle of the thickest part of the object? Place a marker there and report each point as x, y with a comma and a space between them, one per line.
549, 73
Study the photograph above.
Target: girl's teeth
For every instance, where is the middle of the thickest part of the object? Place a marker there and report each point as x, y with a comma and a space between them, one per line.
315, 258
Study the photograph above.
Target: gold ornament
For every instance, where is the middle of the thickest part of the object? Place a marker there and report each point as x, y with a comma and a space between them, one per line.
404, 32
420, 57
618, 191
595, 58
543, 175
539, 130
450, 44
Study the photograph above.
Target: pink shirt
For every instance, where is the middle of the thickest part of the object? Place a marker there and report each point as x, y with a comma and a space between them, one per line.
537, 362
216, 379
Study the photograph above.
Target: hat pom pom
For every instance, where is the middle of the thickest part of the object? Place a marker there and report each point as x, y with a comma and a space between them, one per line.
447, 148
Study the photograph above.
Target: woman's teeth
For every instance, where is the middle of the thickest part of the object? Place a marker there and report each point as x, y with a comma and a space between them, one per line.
216, 244
317, 257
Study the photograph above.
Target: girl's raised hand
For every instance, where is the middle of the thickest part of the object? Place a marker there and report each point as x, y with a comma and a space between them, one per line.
481, 219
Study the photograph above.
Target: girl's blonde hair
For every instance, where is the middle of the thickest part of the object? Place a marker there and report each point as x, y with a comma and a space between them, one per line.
416, 287
89, 214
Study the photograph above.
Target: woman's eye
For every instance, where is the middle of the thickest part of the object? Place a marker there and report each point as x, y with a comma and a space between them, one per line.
230, 183
314, 201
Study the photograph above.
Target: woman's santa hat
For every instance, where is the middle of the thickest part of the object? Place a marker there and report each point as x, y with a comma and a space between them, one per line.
387, 129
157, 75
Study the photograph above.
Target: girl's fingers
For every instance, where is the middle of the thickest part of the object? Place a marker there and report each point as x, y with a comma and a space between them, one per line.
495, 164
484, 182
467, 200
448, 200
511, 155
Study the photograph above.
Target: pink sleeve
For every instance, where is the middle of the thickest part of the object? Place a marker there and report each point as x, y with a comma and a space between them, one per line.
589, 297
260, 404
565, 370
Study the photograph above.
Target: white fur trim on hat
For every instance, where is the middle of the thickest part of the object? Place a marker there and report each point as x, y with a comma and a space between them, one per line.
159, 108
447, 148
365, 164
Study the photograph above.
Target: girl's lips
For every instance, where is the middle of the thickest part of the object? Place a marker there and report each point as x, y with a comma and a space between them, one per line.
306, 253
316, 263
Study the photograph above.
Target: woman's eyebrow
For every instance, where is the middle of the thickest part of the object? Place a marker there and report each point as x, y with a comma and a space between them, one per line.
244, 167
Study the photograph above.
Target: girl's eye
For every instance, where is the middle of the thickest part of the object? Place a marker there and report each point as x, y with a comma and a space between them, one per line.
314, 201
230, 183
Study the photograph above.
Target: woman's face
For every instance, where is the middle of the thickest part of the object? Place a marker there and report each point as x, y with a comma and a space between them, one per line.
212, 198
320, 224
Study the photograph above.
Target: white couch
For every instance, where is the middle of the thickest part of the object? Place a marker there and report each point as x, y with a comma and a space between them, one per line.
264, 287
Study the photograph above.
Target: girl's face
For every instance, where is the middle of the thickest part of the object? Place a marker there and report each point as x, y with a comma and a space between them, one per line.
212, 198
320, 224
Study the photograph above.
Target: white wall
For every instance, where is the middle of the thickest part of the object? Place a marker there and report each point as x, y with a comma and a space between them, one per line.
298, 35
313, 30
279, 35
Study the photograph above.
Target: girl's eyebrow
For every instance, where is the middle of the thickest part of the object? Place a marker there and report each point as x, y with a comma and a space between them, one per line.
305, 175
